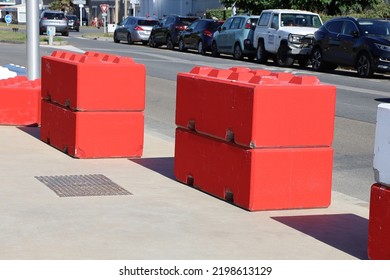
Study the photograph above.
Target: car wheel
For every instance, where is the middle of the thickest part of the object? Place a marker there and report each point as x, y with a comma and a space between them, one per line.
129, 40
316, 60
214, 49
283, 58
237, 54
116, 40
200, 47
169, 43
152, 42
181, 45
65, 33
251, 57
364, 66
261, 54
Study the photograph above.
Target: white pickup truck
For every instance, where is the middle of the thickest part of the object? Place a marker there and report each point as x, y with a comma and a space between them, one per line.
285, 35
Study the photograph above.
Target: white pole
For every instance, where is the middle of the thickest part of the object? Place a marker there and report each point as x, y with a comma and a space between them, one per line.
81, 13
32, 32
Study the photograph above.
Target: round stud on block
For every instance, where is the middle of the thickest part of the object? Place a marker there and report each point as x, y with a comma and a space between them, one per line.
283, 76
220, 73
240, 69
241, 76
305, 80
201, 70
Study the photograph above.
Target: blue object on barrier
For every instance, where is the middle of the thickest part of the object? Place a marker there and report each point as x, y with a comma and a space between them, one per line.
20, 70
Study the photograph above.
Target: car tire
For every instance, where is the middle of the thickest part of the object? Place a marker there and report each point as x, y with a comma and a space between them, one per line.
261, 53
169, 43
283, 59
116, 40
200, 48
129, 40
152, 42
181, 45
66, 33
364, 66
237, 52
214, 49
318, 63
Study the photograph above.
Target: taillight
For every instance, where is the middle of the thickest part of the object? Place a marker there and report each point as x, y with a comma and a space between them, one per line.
248, 26
138, 28
207, 33
181, 27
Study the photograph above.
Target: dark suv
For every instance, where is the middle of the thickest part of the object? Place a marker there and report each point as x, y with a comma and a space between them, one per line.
166, 33
354, 42
199, 35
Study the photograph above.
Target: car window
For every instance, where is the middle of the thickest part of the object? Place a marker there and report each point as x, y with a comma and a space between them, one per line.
201, 24
348, 28
193, 25
373, 27
236, 23
264, 19
334, 26
146, 22
227, 23
213, 26
275, 21
50, 15
169, 20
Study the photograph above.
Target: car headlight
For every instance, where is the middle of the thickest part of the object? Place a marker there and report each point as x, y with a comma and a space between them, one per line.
382, 47
295, 38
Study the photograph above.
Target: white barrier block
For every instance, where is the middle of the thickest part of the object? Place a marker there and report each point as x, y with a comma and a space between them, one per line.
5, 73
382, 145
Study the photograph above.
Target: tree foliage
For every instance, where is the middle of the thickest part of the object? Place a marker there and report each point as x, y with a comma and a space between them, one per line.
330, 7
62, 5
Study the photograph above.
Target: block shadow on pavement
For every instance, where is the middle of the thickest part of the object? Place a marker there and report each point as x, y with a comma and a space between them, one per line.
34, 131
346, 232
163, 166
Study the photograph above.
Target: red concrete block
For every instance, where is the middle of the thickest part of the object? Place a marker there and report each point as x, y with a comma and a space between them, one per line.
379, 223
93, 81
93, 134
255, 179
20, 101
256, 109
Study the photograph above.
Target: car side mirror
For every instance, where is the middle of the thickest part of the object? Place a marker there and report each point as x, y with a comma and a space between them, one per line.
355, 34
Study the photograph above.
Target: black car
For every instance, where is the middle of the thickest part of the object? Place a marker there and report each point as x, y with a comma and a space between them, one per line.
73, 22
199, 35
353, 42
166, 33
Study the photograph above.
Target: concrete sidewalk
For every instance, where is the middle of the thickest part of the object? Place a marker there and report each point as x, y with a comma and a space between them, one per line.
161, 219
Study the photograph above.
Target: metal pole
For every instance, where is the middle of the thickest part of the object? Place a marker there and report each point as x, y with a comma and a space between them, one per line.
116, 12
32, 33
125, 10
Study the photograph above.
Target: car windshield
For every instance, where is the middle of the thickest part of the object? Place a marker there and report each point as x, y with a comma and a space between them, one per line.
187, 21
375, 27
54, 15
300, 20
146, 22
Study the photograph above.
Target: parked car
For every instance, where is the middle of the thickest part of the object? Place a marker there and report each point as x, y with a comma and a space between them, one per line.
286, 36
167, 31
355, 42
199, 35
134, 29
235, 37
53, 18
73, 22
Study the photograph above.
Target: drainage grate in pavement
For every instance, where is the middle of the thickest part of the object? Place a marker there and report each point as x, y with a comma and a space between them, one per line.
82, 185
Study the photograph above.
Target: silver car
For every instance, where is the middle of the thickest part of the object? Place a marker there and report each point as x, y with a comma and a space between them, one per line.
53, 18
134, 29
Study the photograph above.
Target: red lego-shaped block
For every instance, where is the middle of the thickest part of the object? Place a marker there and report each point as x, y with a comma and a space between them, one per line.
93, 81
20, 101
379, 223
256, 108
93, 134
255, 179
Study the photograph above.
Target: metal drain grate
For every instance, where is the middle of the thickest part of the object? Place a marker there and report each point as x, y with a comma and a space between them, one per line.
82, 185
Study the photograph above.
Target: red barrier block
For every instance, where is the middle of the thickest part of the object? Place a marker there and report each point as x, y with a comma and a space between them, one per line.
93, 82
93, 134
256, 109
255, 179
20, 101
379, 223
